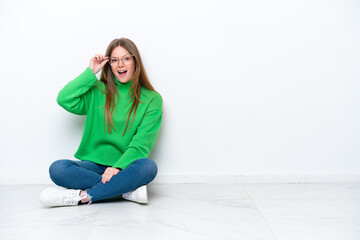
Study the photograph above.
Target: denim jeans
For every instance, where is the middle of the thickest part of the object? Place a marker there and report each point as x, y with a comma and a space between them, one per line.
86, 175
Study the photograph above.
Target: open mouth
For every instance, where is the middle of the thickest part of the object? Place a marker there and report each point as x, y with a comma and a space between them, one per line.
122, 73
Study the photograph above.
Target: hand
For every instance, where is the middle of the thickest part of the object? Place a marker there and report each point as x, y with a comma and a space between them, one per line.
109, 173
97, 62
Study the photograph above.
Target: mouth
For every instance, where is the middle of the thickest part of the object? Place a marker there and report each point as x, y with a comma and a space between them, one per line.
122, 73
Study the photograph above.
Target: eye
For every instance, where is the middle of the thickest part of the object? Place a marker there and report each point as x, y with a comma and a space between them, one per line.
113, 60
127, 59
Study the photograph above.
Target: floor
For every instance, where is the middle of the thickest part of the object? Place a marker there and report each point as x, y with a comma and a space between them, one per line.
191, 211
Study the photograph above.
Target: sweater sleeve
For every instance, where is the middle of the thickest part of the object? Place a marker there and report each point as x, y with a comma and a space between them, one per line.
145, 137
74, 97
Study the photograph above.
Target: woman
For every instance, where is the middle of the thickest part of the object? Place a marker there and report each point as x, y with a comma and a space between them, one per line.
124, 115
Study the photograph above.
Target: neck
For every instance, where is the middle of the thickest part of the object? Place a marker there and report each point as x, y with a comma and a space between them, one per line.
123, 86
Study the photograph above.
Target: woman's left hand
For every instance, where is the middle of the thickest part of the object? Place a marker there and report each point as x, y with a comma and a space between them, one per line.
109, 173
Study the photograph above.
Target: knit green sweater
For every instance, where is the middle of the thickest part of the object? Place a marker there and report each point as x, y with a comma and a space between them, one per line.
84, 96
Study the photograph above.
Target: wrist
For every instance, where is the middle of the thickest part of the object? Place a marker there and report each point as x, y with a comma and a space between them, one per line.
93, 70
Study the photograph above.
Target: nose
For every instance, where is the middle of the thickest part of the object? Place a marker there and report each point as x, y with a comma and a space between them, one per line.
120, 63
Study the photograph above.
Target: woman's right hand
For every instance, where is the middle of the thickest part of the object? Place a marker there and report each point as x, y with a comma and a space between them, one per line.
97, 62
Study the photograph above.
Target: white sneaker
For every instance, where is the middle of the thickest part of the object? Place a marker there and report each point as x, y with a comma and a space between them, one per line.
139, 195
56, 197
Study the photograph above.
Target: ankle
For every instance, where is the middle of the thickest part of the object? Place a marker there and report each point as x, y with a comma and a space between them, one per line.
86, 198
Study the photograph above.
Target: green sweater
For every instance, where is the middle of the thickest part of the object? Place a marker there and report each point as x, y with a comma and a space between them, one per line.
83, 96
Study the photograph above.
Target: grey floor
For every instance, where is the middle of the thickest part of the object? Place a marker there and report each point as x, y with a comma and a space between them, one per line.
191, 211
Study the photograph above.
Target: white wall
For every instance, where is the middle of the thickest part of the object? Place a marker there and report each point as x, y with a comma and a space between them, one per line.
251, 88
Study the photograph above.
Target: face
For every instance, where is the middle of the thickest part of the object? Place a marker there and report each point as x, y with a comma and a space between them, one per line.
122, 64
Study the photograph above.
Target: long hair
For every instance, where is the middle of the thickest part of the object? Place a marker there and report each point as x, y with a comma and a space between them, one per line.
139, 79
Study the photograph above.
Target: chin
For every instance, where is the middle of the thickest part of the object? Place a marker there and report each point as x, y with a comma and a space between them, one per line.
124, 81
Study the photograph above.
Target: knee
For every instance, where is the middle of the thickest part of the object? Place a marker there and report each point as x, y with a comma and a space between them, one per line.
149, 167
58, 168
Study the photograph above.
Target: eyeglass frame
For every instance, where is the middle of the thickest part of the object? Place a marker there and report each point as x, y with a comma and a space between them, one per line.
120, 59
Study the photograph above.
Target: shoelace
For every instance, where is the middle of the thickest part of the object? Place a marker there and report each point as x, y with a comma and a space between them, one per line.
71, 198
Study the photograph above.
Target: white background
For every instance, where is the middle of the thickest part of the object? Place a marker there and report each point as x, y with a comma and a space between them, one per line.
250, 88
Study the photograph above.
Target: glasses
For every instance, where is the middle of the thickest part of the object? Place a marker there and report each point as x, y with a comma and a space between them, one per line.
113, 61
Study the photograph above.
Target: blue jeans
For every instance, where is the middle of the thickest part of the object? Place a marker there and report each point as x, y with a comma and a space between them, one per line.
86, 175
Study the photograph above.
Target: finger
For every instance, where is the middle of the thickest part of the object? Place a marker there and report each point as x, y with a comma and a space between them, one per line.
111, 174
93, 59
109, 177
104, 62
104, 177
